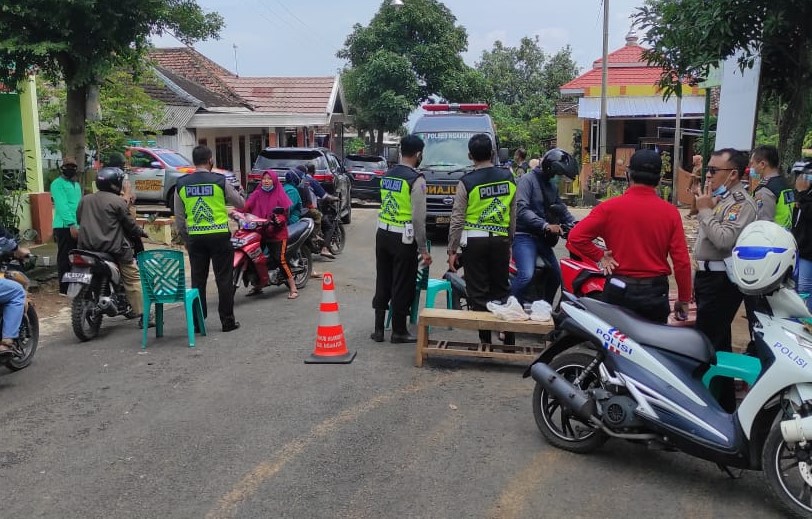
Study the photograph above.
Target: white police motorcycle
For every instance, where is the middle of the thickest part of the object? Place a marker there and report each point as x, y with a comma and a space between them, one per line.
609, 374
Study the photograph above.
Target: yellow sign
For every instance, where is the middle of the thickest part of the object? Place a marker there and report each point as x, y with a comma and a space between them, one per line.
148, 185
441, 190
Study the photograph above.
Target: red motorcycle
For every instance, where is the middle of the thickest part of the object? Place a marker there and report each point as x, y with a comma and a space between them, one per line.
252, 262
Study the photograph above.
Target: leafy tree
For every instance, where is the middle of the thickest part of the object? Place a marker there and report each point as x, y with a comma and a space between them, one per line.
81, 41
127, 111
524, 86
690, 36
403, 56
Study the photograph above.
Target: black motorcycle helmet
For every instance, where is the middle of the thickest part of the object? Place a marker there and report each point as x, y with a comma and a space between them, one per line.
110, 180
559, 162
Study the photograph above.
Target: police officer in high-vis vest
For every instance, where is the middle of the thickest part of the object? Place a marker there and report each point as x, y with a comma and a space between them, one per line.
483, 221
400, 238
201, 219
775, 198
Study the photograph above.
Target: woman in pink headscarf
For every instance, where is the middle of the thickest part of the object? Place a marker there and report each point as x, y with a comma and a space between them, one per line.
271, 202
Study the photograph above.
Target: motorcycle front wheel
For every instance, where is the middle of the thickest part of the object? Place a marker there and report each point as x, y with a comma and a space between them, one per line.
85, 315
27, 341
789, 477
559, 427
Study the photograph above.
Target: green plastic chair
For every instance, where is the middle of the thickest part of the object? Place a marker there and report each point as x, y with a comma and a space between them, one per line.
432, 287
163, 280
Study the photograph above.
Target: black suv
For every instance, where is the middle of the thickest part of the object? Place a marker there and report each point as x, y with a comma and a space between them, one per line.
329, 172
366, 172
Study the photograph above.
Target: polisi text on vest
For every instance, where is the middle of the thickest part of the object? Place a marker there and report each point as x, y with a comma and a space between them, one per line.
494, 190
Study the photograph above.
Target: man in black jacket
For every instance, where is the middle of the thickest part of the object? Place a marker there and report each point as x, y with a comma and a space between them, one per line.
802, 226
537, 230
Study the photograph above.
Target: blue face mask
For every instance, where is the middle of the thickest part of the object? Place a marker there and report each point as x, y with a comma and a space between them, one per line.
753, 173
267, 189
720, 191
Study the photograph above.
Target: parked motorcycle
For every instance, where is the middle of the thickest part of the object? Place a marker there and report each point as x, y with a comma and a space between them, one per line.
96, 290
252, 263
25, 346
609, 374
330, 210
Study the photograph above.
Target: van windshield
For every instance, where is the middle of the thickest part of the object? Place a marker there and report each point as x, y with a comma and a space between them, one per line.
446, 151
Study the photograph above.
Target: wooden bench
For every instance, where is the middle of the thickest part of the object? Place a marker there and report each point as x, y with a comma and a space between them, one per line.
468, 320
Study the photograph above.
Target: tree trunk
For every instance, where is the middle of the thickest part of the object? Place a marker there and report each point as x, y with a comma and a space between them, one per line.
379, 142
793, 126
76, 138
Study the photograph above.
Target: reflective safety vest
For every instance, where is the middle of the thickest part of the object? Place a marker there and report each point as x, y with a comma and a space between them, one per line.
784, 200
396, 196
204, 198
490, 194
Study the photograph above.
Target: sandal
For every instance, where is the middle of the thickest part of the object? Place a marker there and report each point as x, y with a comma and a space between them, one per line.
293, 295
254, 292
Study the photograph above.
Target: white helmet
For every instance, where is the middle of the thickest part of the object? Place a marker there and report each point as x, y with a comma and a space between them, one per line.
764, 255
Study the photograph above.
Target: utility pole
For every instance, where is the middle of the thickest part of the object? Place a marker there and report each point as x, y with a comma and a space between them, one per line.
236, 63
677, 152
604, 80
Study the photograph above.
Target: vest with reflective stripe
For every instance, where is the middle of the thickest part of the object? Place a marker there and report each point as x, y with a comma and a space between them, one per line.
784, 200
396, 195
204, 197
490, 193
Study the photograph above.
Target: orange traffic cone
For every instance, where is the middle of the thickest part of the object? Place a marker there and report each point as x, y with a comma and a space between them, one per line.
331, 346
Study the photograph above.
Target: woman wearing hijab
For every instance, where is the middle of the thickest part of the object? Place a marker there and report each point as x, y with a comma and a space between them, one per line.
291, 189
272, 203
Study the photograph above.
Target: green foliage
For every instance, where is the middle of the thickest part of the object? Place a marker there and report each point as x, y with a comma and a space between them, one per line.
127, 111
354, 145
524, 87
689, 37
13, 195
405, 55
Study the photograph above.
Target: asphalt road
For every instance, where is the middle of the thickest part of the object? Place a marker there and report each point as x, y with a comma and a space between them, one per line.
240, 427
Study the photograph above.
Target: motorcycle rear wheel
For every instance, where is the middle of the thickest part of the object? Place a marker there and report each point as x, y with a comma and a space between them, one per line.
339, 239
27, 340
85, 315
301, 263
563, 430
236, 277
783, 472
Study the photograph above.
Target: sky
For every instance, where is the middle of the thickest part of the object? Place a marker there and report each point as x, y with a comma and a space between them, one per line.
301, 37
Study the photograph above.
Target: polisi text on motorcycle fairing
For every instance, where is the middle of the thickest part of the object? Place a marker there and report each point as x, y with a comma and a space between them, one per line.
494, 190
791, 355
614, 341
200, 190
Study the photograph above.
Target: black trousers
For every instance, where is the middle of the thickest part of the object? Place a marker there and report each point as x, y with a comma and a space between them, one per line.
647, 297
64, 244
717, 302
396, 275
487, 261
217, 250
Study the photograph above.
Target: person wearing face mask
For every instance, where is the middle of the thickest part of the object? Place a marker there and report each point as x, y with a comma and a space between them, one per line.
641, 231
725, 209
66, 194
537, 228
483, 222
271, 202
774, 197
400, 237
201, 219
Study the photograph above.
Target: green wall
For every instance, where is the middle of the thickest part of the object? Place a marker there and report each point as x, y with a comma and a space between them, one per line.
11, 123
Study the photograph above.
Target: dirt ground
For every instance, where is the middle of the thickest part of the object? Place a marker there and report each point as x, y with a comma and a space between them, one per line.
47, 300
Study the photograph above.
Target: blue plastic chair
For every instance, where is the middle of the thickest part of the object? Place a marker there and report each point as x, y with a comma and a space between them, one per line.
163, 280
432, 287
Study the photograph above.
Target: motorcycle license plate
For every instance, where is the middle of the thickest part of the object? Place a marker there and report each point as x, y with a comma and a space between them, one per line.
77, 277
443, 219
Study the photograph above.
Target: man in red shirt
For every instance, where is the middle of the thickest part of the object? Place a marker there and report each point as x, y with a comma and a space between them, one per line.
640, 231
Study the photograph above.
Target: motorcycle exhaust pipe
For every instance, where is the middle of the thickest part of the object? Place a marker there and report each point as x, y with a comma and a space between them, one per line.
797, 429
570, 397
108, 307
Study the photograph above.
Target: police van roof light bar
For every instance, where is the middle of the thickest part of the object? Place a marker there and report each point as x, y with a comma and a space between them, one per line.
456, 107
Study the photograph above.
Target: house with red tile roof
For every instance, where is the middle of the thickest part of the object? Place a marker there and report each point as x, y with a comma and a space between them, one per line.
239, 116
637, 114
